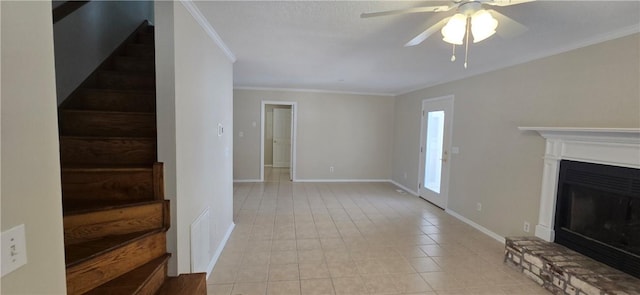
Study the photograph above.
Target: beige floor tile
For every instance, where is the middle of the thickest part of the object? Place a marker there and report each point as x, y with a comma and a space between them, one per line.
284, 272
344, 237
424, 264
308, 244
411, 283
316, 287
337, 255
219, 289
380, 284
370, 266
223, 274
313, 271
284, 288
256, 258
253, 273
310, 256
283, 245
349, 286
284, 257
249, 289
342, 269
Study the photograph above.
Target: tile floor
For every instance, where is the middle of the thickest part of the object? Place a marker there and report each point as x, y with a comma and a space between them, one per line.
354, 238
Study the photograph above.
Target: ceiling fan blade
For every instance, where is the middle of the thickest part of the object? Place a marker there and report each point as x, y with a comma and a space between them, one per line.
428, 32
408, 10
506, 2
507, 27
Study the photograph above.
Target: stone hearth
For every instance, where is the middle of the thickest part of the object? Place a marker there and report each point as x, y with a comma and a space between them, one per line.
563, 271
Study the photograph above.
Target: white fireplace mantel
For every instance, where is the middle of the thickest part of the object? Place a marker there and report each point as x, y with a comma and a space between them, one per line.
609, 146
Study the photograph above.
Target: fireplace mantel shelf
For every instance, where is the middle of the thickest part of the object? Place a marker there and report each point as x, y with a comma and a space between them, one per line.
611, 135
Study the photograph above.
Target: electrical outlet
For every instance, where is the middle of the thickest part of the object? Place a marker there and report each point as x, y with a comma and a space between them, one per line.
526, 227
14, 250
405, 175
331, 169
479, 206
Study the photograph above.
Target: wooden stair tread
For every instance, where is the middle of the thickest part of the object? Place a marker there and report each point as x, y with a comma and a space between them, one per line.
192, 284
106, 167
93, 206
145, 279
78, 253
98, 112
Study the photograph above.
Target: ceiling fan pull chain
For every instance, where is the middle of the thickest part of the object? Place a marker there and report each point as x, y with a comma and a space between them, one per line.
453, 54
466, 49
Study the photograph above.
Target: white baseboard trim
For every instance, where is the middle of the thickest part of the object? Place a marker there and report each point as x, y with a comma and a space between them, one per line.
247, 180
268, 165
223, 243
341, 180
481, 228
414, 193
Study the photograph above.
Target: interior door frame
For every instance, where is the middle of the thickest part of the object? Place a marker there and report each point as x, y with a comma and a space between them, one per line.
294, 129
448, 142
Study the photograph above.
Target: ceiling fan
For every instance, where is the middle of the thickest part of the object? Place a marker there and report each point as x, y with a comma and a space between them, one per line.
470, 16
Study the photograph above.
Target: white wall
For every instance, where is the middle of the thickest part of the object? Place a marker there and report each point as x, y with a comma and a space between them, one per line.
351, 132
165, 115
499, 166
85, 38
198, 171
31, 191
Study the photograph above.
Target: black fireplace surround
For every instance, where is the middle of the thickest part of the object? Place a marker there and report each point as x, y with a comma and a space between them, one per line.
598, 213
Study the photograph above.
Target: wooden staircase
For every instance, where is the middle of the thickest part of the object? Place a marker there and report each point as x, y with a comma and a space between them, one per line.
115, 215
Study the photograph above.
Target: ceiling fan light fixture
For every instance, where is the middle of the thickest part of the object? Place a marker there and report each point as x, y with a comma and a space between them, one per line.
453, 32
483, 25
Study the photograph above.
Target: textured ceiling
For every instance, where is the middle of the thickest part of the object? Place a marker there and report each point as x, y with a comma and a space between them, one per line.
325, 45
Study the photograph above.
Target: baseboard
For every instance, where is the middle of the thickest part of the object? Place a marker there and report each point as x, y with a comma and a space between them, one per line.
341, 180
247, 180
268, 165
481, 228
216, 255
404, 187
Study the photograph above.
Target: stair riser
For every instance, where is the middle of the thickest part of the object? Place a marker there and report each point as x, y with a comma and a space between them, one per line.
107, 124
113, 101
79, 228
140, 50
120, 80
145, 38
107, 185
133, 65
98, 270
107, 151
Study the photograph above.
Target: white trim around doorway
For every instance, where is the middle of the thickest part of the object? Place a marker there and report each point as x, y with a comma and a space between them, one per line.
294, 131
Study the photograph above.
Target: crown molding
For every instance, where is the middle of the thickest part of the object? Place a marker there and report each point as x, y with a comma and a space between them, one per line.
200, 19
311, 91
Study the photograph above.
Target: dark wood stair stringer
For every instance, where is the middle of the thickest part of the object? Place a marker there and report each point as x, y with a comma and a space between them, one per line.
115, 215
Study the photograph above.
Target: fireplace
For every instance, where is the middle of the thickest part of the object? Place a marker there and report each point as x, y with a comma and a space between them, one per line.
598, 213
603, 148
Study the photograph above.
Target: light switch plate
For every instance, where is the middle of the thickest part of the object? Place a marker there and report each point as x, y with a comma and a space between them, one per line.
14, 249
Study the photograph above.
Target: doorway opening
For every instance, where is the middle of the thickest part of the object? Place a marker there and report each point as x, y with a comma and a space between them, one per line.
435, 146
278, 137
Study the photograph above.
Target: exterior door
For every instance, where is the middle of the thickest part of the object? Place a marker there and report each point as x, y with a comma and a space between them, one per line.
435, 145
281, 137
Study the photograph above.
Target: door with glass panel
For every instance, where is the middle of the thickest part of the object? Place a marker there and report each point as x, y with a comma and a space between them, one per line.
435, 144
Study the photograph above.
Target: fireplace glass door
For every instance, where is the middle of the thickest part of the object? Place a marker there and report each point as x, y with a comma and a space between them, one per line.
598, 213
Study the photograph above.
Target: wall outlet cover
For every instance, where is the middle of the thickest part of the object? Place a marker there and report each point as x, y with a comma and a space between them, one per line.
14, 249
